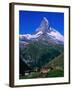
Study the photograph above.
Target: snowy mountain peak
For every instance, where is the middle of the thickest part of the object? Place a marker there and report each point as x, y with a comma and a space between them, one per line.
44, 32
44, 23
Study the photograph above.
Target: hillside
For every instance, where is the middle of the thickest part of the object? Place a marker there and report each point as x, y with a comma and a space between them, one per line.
57, 61
37, 55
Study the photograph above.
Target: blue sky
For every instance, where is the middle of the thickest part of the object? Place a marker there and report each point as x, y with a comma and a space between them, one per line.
30, 20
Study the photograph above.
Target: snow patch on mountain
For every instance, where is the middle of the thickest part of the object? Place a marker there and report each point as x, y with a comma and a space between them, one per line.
56, 35
29, 36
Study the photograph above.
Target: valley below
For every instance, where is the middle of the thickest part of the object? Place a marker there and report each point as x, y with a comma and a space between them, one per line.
38, 60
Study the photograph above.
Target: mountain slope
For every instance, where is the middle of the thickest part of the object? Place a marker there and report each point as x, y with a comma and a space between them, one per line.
57, 61
37, 54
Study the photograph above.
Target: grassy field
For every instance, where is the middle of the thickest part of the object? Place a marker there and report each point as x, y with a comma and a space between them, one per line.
53, 73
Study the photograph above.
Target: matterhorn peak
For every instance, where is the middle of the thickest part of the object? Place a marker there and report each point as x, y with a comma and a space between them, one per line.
45, 32
44, 22
45, 19
44, 25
